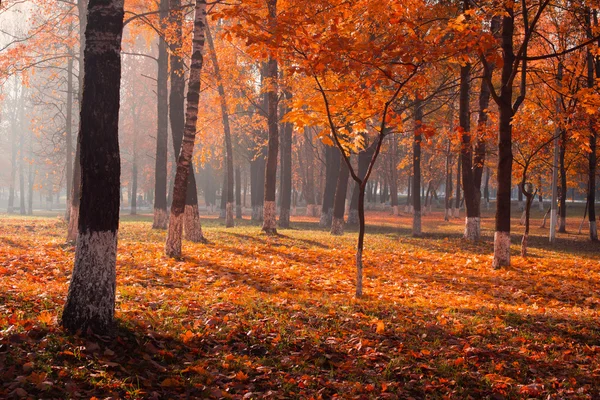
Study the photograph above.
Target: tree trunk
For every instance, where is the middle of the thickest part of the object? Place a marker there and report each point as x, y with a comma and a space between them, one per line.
31, 178
592, 163
90, 302
162, 125
339, 204
192, 226
308, 186
472, 220
257, 184
364, 158
505, 157
394, 175
184, 167
227, 132
134, 171
82, 6
269, 206
22, 209
448, 197
457, 196
529, 196
416, 189
332, 168
562, 206
69, 134
286, 167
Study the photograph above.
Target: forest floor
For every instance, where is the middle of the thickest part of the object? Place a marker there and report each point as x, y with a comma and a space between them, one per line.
251, 316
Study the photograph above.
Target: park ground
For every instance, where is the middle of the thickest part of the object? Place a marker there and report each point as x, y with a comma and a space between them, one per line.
250, 316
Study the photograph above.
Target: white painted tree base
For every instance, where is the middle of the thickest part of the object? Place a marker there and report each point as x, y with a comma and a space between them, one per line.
193, 227
501, 250
456, 212
174, 233
395, 210
416, 230
161, 219
91, 298
229, 215
540, 205
270, 217
472, 228
337, 226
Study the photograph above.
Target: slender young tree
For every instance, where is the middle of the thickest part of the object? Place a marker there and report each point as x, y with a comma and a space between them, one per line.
192, 225
184, 160
90, 302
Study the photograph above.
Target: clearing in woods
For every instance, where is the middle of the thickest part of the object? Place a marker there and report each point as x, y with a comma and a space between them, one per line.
251, 316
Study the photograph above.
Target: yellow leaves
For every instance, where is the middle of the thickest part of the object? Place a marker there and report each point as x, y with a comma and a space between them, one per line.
45, 317
380, 327
187, 336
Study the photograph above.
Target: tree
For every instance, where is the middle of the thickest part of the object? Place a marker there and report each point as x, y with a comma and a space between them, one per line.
162, 123
176, 219
193, 228
228, 189
269, 207
91, 299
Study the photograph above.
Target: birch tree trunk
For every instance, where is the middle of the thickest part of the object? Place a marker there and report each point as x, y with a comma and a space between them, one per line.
176, 219
191, 222
90, 302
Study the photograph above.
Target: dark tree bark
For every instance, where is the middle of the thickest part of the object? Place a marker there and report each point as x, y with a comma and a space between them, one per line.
184, 167
193, 228
257, 183
228, 189
339, 204
134, 169
90, 302
332, 168
448, 197
457, 195
286, 168
162, 125
562, 205
364, 158
269, 206
306, 163
394, 175
82, 7
592, 158
69, 134
416, 184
